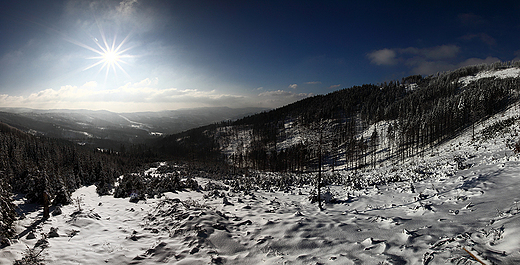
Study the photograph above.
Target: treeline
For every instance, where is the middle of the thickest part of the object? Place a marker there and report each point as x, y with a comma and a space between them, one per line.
34, 165
411, 114
195, 145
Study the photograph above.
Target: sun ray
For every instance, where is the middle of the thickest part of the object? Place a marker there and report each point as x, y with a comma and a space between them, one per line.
111, 54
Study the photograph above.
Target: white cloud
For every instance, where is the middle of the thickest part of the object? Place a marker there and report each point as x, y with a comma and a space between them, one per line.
144, 94
483, 37
278, 98
126, 7
390, 56
136, 16
441, 52
433, 53
383, 57
424, 67
293, 86
334, 86
313, 83
473, 61
428, 60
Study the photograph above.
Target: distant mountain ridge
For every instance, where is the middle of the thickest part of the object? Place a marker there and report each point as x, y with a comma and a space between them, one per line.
106, 128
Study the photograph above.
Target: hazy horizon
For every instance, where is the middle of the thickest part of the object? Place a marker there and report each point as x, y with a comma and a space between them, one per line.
14, 109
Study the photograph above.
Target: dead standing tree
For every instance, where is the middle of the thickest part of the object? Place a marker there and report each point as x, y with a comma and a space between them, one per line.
320, 130
319, 180
318, 139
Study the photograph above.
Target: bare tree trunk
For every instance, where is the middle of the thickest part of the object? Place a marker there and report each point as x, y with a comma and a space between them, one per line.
45, 205
318, 184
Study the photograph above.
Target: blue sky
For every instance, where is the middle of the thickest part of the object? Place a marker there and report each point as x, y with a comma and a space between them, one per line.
187, 54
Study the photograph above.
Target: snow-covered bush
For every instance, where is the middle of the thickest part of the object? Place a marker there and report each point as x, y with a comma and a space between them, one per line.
62, 196
147, 185
326, 196
130, 183
211, 185
32, 256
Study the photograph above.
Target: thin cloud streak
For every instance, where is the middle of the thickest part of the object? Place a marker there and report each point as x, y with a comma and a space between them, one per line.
278, 98
383, 57
141, 96
425, 61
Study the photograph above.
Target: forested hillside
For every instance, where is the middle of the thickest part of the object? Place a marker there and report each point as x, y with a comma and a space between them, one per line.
34, 165
358, 126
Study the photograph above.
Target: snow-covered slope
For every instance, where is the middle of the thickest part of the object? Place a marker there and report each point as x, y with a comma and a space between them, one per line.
457, 203
502, 74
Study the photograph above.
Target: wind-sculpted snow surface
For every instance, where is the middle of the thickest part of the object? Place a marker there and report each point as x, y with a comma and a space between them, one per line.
456, 203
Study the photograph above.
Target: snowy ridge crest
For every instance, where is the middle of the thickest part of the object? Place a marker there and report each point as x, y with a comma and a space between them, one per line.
501, 74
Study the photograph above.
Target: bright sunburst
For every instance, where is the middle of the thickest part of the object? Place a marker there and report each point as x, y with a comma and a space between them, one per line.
111, 56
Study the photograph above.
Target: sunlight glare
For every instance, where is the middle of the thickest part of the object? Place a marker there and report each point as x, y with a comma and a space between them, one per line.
110, 56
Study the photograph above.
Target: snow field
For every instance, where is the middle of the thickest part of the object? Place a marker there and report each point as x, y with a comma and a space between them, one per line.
458, 198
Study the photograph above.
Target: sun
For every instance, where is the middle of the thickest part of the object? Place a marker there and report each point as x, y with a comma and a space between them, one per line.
111, 52
110, 56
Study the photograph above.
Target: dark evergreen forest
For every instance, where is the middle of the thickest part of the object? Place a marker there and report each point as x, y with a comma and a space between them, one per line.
421, 112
